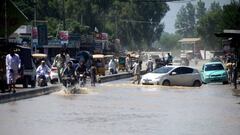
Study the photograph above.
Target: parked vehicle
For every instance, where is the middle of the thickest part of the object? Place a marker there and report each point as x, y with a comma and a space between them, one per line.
53, 74
173, 75
99, 59
122, 63
214, 72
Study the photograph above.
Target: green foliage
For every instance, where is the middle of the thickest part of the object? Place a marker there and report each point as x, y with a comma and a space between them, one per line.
200, 9
185, 22
209, 22
169, 41
137, 24
231, 16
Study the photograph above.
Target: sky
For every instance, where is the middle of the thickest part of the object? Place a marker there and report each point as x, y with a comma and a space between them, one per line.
170, 17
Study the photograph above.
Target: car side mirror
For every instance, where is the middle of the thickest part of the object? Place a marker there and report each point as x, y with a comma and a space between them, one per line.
173, 73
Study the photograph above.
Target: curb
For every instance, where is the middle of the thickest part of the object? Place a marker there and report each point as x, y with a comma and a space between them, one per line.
113, 77
29, 93
34, 92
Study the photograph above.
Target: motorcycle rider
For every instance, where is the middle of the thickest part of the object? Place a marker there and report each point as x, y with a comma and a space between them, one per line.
59, 62
81, 70
43, 72
68, 74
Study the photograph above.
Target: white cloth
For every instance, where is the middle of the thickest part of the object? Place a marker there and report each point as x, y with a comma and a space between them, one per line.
43, 70
112, 65
136, 68
150, 65
12, 63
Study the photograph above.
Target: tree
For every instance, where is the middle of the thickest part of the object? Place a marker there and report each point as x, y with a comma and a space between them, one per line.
169, 41
200, 10
231, 16
210, 24
136, 23
185, 22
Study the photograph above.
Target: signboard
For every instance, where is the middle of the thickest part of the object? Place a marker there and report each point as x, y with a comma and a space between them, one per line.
42, 35
98, 48
63, 36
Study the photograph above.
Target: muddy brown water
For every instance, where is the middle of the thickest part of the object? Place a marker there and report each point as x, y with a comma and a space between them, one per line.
121, 108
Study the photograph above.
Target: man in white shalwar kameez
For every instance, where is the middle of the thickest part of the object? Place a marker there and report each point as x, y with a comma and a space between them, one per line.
13, 64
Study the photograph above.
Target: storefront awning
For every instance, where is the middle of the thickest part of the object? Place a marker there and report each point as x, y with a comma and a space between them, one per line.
189, 40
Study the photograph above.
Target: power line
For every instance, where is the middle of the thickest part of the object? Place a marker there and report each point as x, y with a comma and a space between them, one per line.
136, 21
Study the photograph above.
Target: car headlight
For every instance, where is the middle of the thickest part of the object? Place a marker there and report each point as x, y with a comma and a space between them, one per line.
206, 76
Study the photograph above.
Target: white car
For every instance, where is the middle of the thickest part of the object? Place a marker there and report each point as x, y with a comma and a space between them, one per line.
173, 75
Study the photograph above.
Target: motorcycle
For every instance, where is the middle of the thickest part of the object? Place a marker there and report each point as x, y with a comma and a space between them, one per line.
42, 80
82, 80
68, 82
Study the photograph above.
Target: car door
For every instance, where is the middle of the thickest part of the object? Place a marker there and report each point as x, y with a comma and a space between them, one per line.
174, 76
182, 76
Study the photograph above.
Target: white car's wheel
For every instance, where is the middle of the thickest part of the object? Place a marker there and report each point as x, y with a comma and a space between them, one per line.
197, 83
166, 83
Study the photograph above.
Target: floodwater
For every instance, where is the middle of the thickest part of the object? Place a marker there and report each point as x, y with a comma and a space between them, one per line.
122, 108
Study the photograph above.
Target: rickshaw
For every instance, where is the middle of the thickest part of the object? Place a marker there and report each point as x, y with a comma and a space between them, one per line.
38, 57
122, 63
99, 59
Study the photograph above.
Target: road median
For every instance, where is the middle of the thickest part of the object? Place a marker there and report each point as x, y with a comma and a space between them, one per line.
28, 93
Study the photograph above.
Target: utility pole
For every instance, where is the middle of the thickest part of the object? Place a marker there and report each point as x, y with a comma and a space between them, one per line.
35, 14
6, 26
34, 44
64, 23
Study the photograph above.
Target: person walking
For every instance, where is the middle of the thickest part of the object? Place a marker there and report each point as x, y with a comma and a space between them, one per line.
13, 65
229, 67
149, 65
136, 72
128, 63
169, 59
93, 71
235, 75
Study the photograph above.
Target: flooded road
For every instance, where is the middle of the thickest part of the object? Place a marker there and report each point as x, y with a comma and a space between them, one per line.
121, 108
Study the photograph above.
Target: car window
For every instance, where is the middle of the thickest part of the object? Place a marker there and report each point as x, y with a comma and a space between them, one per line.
183, 70
211, 67
162, 69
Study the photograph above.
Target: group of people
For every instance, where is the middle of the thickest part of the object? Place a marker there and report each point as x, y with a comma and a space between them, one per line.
67, 71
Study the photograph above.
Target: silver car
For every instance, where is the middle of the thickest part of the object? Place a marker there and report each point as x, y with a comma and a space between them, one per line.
173, 75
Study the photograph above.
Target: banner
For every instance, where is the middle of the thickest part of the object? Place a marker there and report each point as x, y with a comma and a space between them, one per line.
42, 35
63, 36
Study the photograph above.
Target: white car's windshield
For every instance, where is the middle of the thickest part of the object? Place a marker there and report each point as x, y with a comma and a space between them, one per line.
163, 70
214, 67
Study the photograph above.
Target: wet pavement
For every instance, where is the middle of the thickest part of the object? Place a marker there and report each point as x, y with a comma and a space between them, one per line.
122, 108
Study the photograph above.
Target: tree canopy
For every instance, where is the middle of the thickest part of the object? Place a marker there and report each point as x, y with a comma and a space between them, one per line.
205, 23
136, 23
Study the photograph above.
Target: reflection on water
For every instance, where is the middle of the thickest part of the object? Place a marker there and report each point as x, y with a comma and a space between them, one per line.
122, 108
